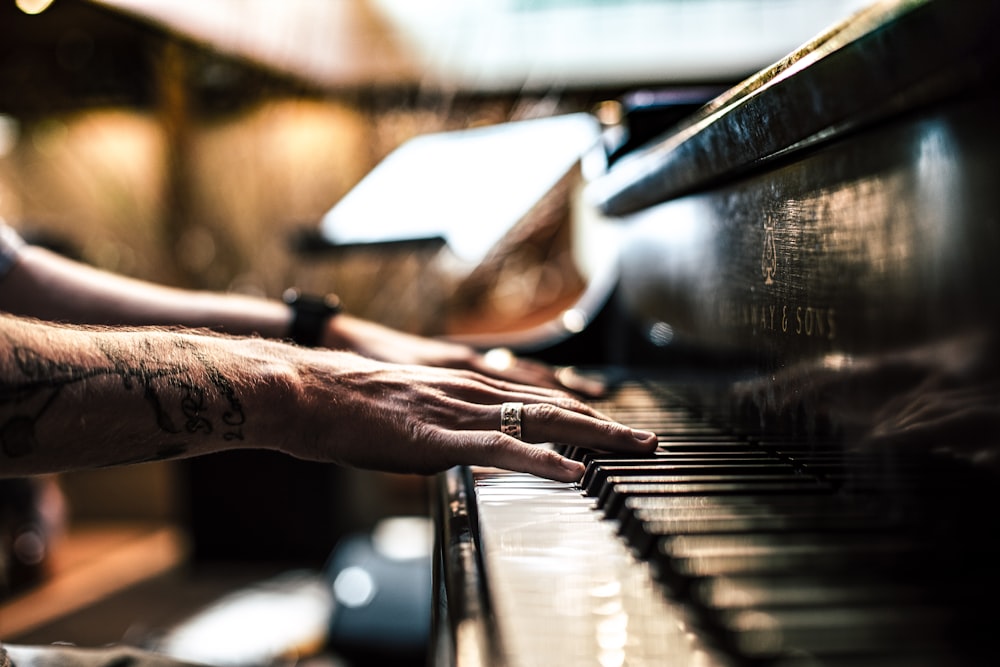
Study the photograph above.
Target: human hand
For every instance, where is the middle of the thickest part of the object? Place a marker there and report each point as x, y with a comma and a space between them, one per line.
409, 418
169, 394
384, 344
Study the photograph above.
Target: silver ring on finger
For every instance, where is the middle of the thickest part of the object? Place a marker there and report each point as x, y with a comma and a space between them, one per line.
510, 419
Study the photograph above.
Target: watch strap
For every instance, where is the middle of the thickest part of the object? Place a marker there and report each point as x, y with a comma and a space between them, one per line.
310, 314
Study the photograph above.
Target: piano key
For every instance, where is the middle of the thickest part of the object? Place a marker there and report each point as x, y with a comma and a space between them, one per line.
808, 590
680, 445
652, 508
731, 528
588, 457
595, 477
674, 444
714, 555
782, 503
595, 465
688, 445
590, 601
902, 656
617, 491
700, 454
658, 457
831, 630
644, 534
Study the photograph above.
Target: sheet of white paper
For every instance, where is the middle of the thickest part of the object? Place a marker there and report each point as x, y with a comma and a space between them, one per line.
468, 187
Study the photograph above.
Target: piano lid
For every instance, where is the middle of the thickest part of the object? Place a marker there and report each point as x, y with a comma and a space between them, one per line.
894, 55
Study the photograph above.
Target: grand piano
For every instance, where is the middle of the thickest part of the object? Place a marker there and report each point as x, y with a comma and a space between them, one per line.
805, 309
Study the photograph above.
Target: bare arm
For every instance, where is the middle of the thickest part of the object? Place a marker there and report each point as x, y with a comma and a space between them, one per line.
47, 286
74, 397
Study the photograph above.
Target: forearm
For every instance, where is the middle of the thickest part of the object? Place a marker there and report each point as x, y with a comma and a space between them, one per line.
75, 397
49, 287
80, 398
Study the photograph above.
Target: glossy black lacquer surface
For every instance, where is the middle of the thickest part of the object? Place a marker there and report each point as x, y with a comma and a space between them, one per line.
826, 484
858, 281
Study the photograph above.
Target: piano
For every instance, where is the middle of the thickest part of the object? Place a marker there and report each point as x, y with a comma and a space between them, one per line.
805, 310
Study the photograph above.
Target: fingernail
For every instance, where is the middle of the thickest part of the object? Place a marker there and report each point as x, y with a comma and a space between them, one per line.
643, 436
575, 467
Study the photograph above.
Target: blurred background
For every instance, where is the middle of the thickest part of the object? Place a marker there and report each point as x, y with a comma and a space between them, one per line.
200, 143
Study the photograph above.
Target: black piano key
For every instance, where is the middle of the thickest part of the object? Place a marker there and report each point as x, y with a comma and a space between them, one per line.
811, 590
644, 534
839, 470
597, 476
903, 656
616, 492
692, 431
708, 445
599, 467
675, 448
823, 502
710, 483
668, 446
697, 556
818, 457
652, 508
672, 444
668, 435
826, 516
837, 630
704, 458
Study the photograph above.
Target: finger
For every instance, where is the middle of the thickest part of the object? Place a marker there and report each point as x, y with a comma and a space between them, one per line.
570, 378
509, 384
545, 422
566, 378
503, 364
493, 393
491, 448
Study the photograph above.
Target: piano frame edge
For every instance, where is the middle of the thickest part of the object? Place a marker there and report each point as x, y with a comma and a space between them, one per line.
460, 632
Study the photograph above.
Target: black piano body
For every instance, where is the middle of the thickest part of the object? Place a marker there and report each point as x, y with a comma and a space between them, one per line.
808, 280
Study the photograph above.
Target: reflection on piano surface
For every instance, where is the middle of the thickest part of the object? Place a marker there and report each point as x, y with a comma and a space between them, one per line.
825, 237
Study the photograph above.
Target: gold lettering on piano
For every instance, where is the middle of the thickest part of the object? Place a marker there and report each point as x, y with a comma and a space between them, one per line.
806, 320
780, 317
769, 256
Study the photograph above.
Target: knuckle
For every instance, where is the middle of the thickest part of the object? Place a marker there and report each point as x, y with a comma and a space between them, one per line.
545, 456
573, 405
453, 414
420, 431
545, 412
496, 440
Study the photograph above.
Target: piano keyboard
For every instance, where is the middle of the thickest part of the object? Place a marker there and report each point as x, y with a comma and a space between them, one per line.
720, 549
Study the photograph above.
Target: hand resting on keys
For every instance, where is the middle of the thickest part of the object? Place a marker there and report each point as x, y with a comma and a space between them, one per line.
111, 385
386, 344
81, 397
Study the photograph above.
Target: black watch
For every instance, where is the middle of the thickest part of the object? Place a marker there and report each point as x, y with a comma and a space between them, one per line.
309, 315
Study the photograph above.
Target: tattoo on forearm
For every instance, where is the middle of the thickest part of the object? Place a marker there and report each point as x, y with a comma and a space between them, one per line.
234, 418
161, 385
